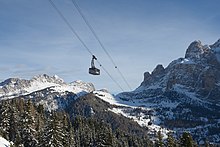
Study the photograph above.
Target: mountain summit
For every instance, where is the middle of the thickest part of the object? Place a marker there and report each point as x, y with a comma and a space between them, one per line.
198, 72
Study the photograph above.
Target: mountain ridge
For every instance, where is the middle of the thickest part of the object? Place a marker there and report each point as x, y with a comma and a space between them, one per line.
13, 87
199, 72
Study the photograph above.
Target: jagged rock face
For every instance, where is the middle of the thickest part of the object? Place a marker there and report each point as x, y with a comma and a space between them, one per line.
196, 50
158, 70
10, 85
198, 72
156, 74
44, 78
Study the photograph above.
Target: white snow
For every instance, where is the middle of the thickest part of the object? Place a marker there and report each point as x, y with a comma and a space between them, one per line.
58, 78
109, 98
187, 61
52, 105
142, 120
36, 86
117, 101
4, 142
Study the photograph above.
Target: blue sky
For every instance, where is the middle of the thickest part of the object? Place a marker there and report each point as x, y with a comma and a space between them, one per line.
138, 34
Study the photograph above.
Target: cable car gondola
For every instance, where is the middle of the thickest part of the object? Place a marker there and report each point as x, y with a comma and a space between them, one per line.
93, 70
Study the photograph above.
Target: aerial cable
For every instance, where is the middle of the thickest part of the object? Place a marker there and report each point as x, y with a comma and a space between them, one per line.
110, 76
83, 43
69, 25
99, 41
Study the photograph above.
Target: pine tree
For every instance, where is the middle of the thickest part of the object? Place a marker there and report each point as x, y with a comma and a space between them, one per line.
207, 144
77, 125
147, 142
159, 142
121, 138
68, 138
71, 138
5, 118
171, 140
186, 140
28, 131
18, 141
52, 133
13, 124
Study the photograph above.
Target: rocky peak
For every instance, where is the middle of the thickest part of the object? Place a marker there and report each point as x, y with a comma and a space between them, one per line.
156, 73
158, 70
195, 50
147, 75
83, 85
198, 72
44, 78
9, 81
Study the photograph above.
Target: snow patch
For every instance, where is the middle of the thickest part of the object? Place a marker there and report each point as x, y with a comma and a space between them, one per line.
186, 61
4, 142
52, 105
144, 121
58, 78
36, 86
116, 100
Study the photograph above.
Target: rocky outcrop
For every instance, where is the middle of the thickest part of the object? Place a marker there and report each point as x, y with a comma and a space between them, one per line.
158, 70
198, 72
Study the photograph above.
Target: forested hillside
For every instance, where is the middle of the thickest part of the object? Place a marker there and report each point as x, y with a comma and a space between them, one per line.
28, 125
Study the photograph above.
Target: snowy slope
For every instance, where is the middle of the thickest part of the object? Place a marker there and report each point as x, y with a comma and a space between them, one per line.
4, 142
171, 113
135, 110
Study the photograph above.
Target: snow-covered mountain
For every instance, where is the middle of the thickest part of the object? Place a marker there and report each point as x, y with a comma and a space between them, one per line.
184, 96
50, 91
15, 87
